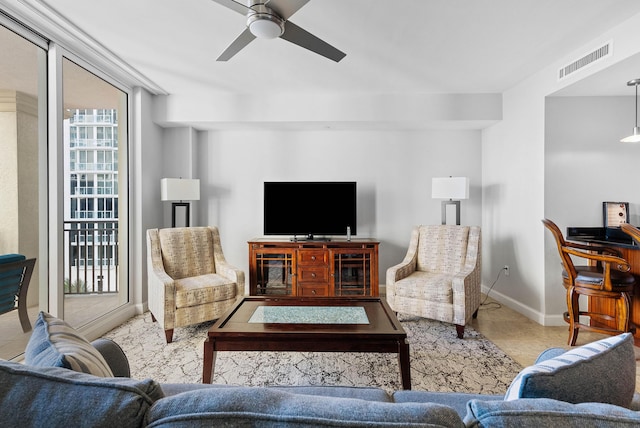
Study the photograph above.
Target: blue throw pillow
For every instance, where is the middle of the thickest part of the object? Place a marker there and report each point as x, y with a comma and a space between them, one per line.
599, 372
54, 343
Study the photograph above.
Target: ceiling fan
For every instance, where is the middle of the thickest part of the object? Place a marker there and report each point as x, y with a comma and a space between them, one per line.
271, 21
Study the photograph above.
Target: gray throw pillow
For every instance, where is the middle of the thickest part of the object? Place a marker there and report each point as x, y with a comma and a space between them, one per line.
54, 343
266, 407
58, 397
542, 412
599, 372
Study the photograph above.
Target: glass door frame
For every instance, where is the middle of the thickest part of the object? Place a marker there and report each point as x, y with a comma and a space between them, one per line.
55, 187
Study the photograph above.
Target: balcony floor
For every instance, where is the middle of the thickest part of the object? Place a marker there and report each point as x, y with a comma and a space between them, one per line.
78, 309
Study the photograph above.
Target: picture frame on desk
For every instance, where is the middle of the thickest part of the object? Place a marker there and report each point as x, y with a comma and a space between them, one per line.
615, 213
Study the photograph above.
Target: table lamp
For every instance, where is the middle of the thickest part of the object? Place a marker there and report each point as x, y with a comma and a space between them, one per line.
181, 190
453, 189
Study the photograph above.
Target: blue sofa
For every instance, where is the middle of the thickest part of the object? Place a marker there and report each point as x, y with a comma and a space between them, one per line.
66, 381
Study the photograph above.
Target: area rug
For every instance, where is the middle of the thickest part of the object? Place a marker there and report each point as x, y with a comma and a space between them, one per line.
439, 360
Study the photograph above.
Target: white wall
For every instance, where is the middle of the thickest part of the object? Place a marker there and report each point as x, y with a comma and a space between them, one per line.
393, 171
586, 165
145, 196
514, 191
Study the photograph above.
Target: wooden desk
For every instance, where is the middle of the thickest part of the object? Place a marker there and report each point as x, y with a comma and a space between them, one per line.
630, 251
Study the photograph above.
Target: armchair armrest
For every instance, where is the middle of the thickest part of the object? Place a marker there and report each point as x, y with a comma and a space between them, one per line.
408, 265
228, 271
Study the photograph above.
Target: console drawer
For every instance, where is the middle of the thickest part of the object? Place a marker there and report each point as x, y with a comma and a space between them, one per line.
313, 274
313, 257
313, 290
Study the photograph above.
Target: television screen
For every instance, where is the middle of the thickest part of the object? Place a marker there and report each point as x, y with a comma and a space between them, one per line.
309, 208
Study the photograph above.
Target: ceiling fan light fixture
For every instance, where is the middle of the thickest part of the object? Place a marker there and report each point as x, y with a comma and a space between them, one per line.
264, 23
635, 137
265, 29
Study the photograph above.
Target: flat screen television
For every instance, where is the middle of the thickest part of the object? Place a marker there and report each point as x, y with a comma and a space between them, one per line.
309, 210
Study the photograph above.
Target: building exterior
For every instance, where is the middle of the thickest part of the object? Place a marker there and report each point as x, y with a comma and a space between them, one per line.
91, 201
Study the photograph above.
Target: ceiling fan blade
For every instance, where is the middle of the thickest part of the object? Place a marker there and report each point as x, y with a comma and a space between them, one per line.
234, 5
240, 42
300, 37
286, 8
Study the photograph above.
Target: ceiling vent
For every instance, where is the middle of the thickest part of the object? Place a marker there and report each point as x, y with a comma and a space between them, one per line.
594, 56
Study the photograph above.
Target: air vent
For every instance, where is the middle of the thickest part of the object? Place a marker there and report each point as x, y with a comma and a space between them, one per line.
596, 55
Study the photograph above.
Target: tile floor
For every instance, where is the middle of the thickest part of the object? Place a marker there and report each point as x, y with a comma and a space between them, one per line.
523, 339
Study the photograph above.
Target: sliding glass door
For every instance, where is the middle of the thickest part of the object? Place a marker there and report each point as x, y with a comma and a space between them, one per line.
23, 205
95, 135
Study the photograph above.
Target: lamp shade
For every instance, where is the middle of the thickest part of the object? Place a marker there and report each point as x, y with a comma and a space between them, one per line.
633, 138
450, 188
180, 189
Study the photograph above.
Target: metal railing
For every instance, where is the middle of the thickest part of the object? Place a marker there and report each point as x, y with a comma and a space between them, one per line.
91, 256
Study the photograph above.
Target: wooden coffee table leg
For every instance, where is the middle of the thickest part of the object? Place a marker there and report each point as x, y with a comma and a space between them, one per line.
209, 360
403, 360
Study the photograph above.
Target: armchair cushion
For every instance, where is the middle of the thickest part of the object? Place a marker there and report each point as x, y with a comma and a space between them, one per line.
602, 371
186, 253
54, 343
204, 289
436, 287
442, 249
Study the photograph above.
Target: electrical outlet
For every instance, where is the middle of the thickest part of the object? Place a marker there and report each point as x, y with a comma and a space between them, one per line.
506, 270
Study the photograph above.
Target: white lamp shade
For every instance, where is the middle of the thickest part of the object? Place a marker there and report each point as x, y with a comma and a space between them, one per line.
634, 138
450, 188
180, 189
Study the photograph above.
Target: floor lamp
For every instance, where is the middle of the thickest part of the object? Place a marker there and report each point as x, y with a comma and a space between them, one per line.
181, 190
453, 189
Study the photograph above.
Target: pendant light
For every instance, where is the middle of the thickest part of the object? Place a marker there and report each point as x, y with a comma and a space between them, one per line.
635, 137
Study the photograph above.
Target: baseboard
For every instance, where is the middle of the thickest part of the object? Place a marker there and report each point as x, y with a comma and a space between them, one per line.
532, 314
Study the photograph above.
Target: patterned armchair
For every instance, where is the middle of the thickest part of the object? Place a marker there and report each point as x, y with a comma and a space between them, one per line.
439, 277
189, 279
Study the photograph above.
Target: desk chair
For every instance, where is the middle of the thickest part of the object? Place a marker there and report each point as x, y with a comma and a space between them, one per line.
606, 277
632, 231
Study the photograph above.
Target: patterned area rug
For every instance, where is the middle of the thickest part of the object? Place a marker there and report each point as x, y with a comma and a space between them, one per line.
439, 360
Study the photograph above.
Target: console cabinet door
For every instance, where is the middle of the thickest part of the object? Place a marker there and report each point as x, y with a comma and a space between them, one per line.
354, 272
272, 271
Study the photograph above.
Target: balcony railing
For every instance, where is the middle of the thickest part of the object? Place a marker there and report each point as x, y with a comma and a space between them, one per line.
91, 256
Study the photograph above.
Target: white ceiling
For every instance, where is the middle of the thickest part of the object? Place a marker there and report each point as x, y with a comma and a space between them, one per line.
405, 46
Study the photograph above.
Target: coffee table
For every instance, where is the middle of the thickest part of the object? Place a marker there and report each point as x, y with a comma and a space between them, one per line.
314, 324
